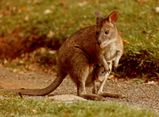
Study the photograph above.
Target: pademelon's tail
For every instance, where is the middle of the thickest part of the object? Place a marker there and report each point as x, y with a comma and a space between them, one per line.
40, 92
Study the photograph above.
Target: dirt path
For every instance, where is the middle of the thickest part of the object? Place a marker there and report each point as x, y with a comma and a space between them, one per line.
136, 92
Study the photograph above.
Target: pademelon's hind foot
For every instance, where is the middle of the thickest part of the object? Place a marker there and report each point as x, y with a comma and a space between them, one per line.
111, 95
93, 97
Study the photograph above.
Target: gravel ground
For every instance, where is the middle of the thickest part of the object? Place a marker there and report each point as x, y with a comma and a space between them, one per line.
136, 92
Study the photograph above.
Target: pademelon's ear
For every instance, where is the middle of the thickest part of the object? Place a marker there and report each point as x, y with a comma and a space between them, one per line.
99, 18
113, 16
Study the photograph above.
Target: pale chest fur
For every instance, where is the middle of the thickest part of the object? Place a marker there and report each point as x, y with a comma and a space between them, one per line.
110, 51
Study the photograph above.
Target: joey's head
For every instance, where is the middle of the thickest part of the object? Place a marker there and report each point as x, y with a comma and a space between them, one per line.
106, 29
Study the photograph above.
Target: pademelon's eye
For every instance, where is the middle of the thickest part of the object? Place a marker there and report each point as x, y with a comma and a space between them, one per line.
106, 32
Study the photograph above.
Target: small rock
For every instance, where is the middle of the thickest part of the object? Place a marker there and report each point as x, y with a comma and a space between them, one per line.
67, 98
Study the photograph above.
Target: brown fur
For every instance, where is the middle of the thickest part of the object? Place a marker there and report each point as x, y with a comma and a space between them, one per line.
77, 57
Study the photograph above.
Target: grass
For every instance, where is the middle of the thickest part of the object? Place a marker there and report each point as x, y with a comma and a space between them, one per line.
138, 24
16, 107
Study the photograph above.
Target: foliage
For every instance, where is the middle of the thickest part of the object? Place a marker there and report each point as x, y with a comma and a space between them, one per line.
138, 24
142, 64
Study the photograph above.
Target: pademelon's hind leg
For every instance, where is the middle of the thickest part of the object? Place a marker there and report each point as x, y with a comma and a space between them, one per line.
79, 72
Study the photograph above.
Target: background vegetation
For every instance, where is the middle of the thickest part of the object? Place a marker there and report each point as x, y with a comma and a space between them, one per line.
52, 19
